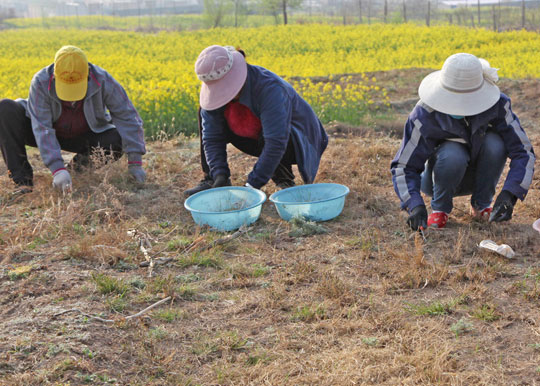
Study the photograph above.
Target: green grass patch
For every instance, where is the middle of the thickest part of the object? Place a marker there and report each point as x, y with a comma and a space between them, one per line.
179, 243
211, 260
169, 315
309, 313
109, 285
487, 313
435, 308
461, 327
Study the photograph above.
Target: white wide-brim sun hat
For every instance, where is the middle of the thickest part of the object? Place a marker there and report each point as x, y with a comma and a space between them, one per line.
465, 86
223, 72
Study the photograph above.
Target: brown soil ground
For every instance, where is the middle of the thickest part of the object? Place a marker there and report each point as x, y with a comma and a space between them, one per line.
368, 302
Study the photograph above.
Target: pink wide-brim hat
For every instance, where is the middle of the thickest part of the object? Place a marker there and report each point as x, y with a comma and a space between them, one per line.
223, 72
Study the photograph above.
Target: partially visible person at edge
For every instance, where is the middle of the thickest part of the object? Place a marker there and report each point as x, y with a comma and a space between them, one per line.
456, 142
74, 106
261, 115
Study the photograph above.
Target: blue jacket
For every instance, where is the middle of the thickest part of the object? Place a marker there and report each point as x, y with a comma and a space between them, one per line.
426, 129
283, 113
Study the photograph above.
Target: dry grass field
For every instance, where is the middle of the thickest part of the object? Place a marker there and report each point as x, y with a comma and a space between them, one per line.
368, 302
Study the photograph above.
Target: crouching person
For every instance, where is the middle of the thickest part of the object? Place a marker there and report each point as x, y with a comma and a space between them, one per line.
258, 113
456, 142
74, 106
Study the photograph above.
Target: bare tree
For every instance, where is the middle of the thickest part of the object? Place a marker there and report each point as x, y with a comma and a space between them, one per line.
215, 11
240, 9
283, 5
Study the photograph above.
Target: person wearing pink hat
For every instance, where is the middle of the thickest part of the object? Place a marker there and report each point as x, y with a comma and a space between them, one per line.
456, 142
260, 114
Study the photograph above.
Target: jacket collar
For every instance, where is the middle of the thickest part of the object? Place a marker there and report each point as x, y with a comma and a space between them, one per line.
469, 124
245, 95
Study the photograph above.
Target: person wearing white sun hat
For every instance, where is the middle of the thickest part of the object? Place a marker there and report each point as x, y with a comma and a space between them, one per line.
260, 114
456, 142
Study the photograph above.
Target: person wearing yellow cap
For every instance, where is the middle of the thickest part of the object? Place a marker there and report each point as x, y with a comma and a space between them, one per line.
75, 106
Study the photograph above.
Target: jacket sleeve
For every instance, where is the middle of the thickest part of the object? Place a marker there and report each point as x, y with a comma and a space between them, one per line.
40, 111
214, 137
276, 113
409, 161
124, 116
518, 147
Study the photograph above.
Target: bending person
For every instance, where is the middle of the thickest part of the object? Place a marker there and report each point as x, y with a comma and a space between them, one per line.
74, 106
261, 115
456, 142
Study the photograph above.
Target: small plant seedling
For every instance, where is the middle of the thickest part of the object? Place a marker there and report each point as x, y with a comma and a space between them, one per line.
158, 333
301, 228
435, 308
371, 341
89, 353
117, 303
109, 285
260, 270
486, 313
461, 327
20, 272
309, 313
169, 315
179, 243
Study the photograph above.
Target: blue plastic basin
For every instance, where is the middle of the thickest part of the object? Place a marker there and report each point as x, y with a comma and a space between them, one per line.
226, 208
314, 202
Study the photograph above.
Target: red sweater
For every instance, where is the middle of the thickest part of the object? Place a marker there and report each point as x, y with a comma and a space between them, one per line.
72, 122
242, 121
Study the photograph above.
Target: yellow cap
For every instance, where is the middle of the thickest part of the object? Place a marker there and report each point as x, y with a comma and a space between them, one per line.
71, 73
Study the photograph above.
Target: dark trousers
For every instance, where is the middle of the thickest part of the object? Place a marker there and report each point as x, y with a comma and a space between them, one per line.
254, 148
16, 133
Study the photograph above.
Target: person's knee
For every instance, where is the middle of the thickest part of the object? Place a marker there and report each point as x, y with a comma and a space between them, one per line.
7, 106
452, 158
493, 147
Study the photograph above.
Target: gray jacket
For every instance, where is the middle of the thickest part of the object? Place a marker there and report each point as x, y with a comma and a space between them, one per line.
106, 106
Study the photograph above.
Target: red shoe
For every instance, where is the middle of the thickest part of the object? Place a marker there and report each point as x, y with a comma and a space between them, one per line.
437, 220
481, 214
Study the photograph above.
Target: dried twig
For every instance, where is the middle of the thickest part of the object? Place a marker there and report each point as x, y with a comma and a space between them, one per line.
159, 261
148, 308
144, 246
111, 320
221, 241
83, 314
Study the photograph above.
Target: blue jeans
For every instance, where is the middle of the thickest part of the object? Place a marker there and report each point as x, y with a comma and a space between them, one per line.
448, 173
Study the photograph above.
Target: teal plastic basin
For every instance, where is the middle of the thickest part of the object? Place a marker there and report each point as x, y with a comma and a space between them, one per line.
314, 202
226, 208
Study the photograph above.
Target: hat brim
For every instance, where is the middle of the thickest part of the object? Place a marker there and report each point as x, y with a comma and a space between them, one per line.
437, 97
217, 93
71, 92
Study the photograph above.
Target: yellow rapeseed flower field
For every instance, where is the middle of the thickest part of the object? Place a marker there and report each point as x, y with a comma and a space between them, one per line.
157, 69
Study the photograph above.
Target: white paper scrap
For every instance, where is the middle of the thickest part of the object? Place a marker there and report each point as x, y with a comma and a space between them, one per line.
502, 249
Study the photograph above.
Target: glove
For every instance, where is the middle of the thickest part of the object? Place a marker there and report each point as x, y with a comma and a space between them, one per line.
221, 180
504, 207
135, 167
418, 218
62, 180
